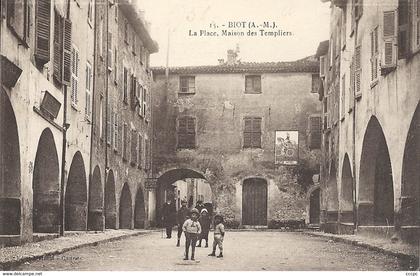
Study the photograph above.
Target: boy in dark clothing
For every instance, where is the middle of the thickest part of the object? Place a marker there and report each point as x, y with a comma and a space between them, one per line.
182, 216
219, 236
168, 217
205, 227
192, 230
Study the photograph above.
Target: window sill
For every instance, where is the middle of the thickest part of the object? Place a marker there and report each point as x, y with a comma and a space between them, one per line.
186, 93
386, 70
253, 92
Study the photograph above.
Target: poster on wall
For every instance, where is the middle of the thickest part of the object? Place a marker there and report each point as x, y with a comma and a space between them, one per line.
286, 147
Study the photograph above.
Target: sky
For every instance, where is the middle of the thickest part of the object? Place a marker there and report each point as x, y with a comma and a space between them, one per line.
307, 20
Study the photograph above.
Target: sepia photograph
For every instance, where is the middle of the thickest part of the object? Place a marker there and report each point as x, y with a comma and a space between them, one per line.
209, 136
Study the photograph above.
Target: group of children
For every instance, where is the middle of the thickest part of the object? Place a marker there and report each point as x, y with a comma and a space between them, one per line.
196, 227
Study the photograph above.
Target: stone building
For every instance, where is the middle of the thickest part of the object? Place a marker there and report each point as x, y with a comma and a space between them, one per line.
121, 138
218, 123
44, 116
370, 95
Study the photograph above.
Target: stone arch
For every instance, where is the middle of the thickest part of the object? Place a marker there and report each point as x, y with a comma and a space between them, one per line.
254, 201
410, 190
46, 185
376, 193
139, 210
332, 194
126, 208
10, 176
76, 195
346, 198
96, 201
110, 202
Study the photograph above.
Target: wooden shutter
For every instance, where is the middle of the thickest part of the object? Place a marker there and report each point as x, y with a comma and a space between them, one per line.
116, 131
125, 141
67, 48
404, 28
108, 125
357, 70
133, 92
315, 125
389, 56
74, 76
183, 84
247, 132
256, 133
322, 66
140, 151
374, 54
42, 31
109, 51
133, 147
58, 46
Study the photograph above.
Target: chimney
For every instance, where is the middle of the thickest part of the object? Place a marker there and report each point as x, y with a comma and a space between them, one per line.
231, 57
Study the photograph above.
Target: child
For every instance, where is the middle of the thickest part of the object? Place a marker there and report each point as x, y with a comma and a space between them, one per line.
192, 230
205, 226
219, 235
182, 216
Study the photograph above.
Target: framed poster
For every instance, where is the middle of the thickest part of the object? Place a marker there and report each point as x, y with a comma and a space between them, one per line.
286, 150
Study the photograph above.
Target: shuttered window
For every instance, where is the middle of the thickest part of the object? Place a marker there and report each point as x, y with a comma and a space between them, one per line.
186, 132
252, 132
314, 125
115, 65
58, 46
109, 125
19, 18
374, 53
116, 130
101, 118
343, 97
146, 104
74, 76
126, 32
389, 51
125, 89
140, 151
140, 92
186, 84
253, 84
133, 45
133, 90
133, 147
101, 38
416, 35
42, 31
67, 52
147, 154
125, 142
89, 75
90, 12
110, 49
357, 70
316, 82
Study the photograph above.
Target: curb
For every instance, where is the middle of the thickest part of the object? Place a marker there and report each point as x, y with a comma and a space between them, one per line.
8, 265
407, 257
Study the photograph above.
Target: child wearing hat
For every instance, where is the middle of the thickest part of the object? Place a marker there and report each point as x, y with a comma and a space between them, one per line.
192, 230
205, 222
219, 235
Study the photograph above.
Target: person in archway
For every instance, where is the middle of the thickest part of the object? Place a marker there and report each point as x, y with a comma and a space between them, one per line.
182, 216
168, 217
205, 222
192, 230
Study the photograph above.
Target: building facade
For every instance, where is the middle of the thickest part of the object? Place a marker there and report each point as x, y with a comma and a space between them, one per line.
219, 123
370, 95
122, 108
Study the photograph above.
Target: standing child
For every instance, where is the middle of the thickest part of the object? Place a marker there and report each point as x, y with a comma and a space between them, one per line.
219, 235
192, 230
182, 216
205, 227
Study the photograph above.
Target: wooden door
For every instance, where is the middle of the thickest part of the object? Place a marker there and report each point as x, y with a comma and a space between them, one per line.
314, 207
254, 202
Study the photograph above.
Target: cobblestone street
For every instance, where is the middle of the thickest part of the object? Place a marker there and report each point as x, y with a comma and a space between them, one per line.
243, 251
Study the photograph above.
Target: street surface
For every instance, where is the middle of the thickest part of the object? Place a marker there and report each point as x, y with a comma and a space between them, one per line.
242, 251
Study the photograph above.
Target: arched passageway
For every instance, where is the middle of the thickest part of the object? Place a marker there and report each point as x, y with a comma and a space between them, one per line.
410, 200
332, 194
76, 196
314, 206
110, 202
9, 169
376, 193
346, 200
139, 210
46, 186
95, 203
126, 209
254, 201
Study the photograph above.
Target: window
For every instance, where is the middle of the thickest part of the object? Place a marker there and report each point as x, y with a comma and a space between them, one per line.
74, 76
58, 47
357, 71
140, 92
314, 138
125, 142
186, 132
116, 12
133, 45
90, 12
253, 84
133, 92
187, 85
109, 125
145, 103
115, 66
147, 154
125, 92
134, 150
19, 17
109, 47
316, 82
358, 9
101, 106
351, 94
140, 151
252, 132
88, 110
322, 66
343, 97
416, 22
42, 27
101, 37
344, 26
116, 130
404, 14
389, 50
374, 53
126, 32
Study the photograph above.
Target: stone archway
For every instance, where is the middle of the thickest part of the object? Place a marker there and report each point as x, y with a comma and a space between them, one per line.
46, 186
10, 176
96, 201
346, 198
254, 201
76, 196
410, 190
139, 210
376, 193
126, 208
110, 202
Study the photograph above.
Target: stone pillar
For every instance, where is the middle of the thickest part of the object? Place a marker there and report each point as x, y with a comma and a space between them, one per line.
150, 187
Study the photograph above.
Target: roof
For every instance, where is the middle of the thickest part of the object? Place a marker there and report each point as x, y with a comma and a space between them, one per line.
138, 23
322, 48
306, 65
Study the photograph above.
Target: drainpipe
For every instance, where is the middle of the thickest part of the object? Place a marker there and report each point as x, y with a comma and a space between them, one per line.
64, 149
354, 141
106, 95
